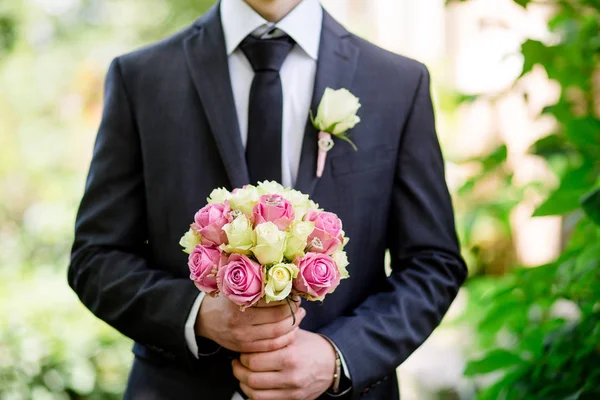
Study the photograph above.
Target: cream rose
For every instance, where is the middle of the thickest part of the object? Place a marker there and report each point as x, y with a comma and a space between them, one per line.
296, 239
269, 187
270, 243
239, 235
244, 199
279, 281
337, 111
189, 241
300, 202
219, 195
341, 260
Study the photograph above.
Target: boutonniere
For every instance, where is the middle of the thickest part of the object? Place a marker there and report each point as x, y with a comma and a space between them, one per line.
335, 116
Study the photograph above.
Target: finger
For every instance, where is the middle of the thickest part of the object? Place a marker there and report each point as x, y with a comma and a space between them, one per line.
269, 315
262, 315
260, 346
256, 394
259, 380
264, 362
274, 330
240, 372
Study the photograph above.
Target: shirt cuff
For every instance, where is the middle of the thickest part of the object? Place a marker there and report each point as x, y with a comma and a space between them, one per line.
344, 366
190, 333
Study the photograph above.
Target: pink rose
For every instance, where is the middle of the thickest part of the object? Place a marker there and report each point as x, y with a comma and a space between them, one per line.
318, 275
273, 208
209, 223
204, 263
241, 280
327, 236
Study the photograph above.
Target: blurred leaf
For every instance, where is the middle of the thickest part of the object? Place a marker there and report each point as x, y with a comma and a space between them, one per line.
494, 360
583, 133
498, 391
558, 203
535, 53
591, 205
566, 198
8, 34
588, 259
551, 145
522, 3
466, 98
494, 159
574, 396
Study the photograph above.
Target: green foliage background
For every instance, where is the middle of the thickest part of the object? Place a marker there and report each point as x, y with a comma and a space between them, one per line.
53, 57
533, 351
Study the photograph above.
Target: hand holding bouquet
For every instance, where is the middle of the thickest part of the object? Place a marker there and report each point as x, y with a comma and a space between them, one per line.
265, 242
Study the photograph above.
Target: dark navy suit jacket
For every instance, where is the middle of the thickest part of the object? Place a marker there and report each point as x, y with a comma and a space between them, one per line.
169, 135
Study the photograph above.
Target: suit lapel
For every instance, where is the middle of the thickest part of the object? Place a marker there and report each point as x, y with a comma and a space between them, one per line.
336, 65
207, 61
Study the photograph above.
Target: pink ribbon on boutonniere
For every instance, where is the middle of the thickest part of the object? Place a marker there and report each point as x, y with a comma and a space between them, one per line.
325, 144
336, 115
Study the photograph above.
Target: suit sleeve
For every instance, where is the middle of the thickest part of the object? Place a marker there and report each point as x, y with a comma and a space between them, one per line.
427, 269
109, 270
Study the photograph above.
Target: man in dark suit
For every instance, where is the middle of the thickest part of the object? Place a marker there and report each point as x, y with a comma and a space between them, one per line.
195, 112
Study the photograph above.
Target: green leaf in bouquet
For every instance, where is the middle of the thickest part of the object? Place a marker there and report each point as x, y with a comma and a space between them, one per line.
591, 205
498, 359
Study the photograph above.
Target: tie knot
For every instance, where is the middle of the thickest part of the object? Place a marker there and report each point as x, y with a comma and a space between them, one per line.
266, 54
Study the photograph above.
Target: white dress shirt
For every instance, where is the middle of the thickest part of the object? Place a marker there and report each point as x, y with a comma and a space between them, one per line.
303, 24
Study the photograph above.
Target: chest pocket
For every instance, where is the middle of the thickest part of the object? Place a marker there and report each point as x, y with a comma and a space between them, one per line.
362, 161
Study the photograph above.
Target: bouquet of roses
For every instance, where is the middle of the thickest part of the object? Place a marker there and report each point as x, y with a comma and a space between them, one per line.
265, 242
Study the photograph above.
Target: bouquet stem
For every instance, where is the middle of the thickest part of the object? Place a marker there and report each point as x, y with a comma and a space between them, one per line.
289, 302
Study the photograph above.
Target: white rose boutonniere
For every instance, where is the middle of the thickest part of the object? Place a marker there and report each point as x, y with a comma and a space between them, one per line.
335, 116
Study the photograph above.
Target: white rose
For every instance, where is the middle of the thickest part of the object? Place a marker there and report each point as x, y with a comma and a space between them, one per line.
270, 243
296, 239
269, 187
239, 235
345, 240
337, 107
279, 281
341, 260
219, 196
300, 202
189, 241
244, 199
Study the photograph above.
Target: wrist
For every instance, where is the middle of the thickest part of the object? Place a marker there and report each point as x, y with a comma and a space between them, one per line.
341, 384
337, 374
332, 361
200, 325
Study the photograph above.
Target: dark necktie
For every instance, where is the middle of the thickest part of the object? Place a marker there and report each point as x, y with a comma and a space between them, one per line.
265, 111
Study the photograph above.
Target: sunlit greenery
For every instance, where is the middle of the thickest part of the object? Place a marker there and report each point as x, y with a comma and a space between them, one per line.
53, 58
539, 328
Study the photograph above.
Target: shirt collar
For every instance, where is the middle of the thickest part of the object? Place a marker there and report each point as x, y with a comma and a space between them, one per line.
303, 24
